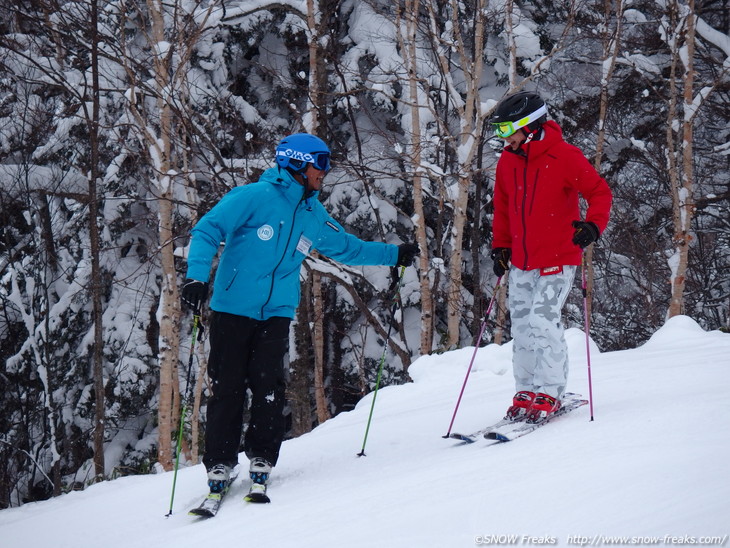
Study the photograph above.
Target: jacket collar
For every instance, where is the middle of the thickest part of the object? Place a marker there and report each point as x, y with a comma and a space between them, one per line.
552, 134
284, 180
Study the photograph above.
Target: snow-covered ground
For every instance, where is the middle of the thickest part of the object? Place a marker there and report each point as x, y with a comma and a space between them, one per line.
653, 465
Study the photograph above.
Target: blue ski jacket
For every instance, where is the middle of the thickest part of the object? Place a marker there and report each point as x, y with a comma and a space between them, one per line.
268, 228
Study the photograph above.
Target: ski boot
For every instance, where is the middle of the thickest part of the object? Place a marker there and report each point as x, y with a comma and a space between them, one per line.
543, 406
218, 478
259, 471
521, 403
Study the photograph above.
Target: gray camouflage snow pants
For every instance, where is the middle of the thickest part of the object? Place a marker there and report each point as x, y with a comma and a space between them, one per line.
540, 354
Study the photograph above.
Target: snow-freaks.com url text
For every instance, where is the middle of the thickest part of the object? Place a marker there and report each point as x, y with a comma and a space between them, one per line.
600, 540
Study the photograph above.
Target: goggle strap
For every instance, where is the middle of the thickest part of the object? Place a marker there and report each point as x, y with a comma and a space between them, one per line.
539, 113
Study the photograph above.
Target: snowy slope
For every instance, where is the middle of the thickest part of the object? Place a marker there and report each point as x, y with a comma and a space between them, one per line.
653, 463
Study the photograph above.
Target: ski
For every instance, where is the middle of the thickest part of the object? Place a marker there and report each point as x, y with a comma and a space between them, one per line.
212, 503
570, 402
256, 495
507, 429
257, 498
479, 434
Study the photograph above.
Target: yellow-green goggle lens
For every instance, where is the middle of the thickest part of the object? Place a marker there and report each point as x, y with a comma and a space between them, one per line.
504, 129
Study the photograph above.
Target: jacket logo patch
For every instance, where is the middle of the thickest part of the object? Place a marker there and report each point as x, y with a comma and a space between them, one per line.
265, 232
550, 270
332, 226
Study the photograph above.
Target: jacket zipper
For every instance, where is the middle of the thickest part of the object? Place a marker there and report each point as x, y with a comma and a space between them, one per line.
283, 255
524, 213
233, 279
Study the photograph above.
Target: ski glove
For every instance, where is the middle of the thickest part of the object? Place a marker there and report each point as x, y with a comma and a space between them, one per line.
194, 294
501, 257
585, 233
407, 253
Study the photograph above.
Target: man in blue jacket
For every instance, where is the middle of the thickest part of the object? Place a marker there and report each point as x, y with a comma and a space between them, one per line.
268, 228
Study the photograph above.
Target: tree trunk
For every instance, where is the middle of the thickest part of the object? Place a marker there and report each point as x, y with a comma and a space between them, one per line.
169, 306
455, 304
471, 120
408, 48
682, 198
511, 45
681, 176
315, 95
300, 357
96, 279
320, 397
478, 309
169, 314
502, 310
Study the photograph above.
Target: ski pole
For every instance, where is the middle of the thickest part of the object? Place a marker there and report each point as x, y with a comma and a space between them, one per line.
586, 326
382, 358
184, 412
474, 355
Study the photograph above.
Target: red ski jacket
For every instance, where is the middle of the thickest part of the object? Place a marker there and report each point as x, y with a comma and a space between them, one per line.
536, 200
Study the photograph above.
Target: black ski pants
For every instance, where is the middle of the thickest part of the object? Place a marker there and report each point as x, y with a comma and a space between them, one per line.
246, 353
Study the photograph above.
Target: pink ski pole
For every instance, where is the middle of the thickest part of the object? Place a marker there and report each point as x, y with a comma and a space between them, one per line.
474, 355
587, 330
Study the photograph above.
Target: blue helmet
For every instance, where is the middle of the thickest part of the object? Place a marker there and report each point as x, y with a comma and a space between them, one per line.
296, 151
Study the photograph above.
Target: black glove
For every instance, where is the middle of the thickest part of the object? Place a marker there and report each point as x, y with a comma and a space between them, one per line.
194, 294
585, 233
501, 257
407, 253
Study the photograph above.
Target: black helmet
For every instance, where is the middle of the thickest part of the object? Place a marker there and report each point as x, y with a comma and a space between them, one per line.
522, 109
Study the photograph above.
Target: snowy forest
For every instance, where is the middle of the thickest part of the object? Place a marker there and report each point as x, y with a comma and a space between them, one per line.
124, 121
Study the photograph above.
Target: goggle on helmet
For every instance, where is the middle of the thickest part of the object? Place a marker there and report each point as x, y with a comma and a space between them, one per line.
296, 151
507, 128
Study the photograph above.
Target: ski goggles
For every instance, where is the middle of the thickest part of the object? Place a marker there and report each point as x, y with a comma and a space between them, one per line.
298, 160
321, 161
505, 129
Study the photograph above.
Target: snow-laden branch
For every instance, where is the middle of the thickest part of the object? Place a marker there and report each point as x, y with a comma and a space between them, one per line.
717, 38
234, 15
690, 110
35, 177
339, 274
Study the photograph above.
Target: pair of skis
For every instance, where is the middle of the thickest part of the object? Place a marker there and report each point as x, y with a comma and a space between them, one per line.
212, 502
507, 429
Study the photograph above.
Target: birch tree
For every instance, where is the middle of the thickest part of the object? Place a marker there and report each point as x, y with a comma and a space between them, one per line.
680, 33
315, 110
471, 115
158, 107
406, 33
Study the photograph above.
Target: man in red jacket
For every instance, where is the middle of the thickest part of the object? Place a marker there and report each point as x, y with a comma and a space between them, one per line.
537, 226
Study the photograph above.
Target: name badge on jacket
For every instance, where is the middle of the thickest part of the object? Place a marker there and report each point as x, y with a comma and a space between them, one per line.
304, 245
